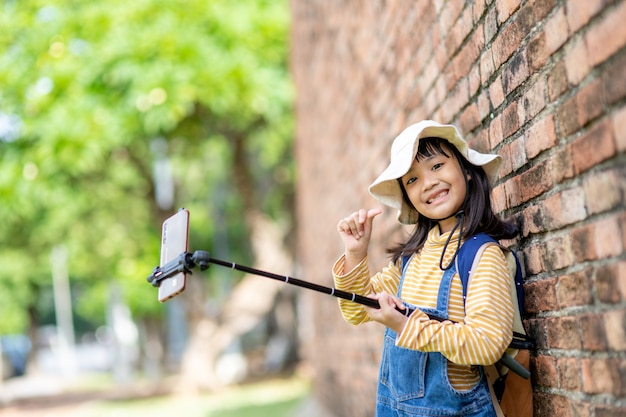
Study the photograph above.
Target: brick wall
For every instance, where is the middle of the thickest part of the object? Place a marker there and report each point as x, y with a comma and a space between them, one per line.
542, 83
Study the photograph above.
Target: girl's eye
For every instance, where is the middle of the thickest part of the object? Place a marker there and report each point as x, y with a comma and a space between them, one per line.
437, 166
411, 180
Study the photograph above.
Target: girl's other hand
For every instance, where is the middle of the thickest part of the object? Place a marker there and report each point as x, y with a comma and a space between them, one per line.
388, 314
355, 231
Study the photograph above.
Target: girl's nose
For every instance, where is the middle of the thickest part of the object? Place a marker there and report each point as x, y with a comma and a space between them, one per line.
430, 180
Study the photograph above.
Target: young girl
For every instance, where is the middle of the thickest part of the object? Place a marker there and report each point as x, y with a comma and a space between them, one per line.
432, 367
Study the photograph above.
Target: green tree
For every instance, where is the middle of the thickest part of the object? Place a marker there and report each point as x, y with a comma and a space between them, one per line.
97, 99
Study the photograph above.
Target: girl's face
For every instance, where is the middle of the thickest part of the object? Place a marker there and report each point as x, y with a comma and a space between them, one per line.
436, 187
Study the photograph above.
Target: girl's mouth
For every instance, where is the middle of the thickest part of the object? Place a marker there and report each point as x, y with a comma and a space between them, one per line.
440, 195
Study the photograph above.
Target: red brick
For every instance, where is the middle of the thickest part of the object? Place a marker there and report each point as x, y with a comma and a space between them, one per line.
593, 332
474, 79
556, 31
594, 147
513, 156
622, 223
510, 121
583, 243
545, 372
525, 18
486, 66
613, 80
573, 203
542, 8
619, 128
484, 106
557, 81
603, 376
568, 374
537, 330
608, 239
449, 15
552, 212
552, 405
533, 101
608, 35
506, 43
580, 12
540, 296
559, 253
464, 26
540, 136
495, 131
534, 256
536, 52
563, 165
567, 117
513, 192
610, 283
615, 322
470, 118
589, 102
535, 181
491, 24
479, 141
575, 289
533, 221
562, 333
505, 9
620, 280
604, 190
478, 9
498, 198
576, 62
496, 93
514, 73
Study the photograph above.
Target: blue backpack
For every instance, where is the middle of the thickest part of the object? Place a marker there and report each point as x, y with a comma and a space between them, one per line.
512, 391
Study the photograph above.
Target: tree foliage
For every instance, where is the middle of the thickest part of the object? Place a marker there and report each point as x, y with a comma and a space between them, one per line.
97, 99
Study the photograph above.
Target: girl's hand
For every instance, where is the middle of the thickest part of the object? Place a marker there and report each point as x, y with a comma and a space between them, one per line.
355, 231
387, 314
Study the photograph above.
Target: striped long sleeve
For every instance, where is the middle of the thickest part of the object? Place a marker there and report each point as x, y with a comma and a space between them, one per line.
483, 328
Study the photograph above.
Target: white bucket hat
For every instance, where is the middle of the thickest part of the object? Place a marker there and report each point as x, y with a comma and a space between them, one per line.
386, 188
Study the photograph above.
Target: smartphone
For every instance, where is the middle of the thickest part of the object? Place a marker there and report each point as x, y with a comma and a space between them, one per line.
174, 241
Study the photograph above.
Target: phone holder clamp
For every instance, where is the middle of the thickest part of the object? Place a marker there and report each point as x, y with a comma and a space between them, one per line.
184, 262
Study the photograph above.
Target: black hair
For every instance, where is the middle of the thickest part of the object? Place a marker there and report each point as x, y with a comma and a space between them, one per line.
478, 213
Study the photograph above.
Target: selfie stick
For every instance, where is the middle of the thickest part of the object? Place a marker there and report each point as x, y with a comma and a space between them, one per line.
186, 261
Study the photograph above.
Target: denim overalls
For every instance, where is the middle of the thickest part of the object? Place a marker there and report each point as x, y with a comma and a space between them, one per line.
415, 384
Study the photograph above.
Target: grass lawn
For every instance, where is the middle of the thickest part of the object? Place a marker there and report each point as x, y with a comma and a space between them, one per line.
273, 398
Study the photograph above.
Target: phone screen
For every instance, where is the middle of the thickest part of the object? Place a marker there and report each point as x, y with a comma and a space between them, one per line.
174, 241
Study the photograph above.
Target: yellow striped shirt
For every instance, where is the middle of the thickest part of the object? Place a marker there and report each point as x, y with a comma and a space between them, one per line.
484, 327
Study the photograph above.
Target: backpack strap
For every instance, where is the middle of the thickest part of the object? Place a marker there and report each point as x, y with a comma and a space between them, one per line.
468, 259
405, 262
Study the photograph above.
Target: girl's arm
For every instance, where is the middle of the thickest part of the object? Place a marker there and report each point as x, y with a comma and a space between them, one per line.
358, 281
488, 326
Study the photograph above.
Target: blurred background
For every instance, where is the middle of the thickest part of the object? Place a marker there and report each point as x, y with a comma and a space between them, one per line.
114, 114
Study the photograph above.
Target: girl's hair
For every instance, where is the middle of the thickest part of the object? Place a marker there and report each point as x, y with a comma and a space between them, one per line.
479, 216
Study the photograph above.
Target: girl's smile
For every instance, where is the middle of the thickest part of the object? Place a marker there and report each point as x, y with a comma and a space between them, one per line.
439, 197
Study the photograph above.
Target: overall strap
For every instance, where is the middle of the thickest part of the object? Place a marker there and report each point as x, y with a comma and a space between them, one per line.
403, 267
